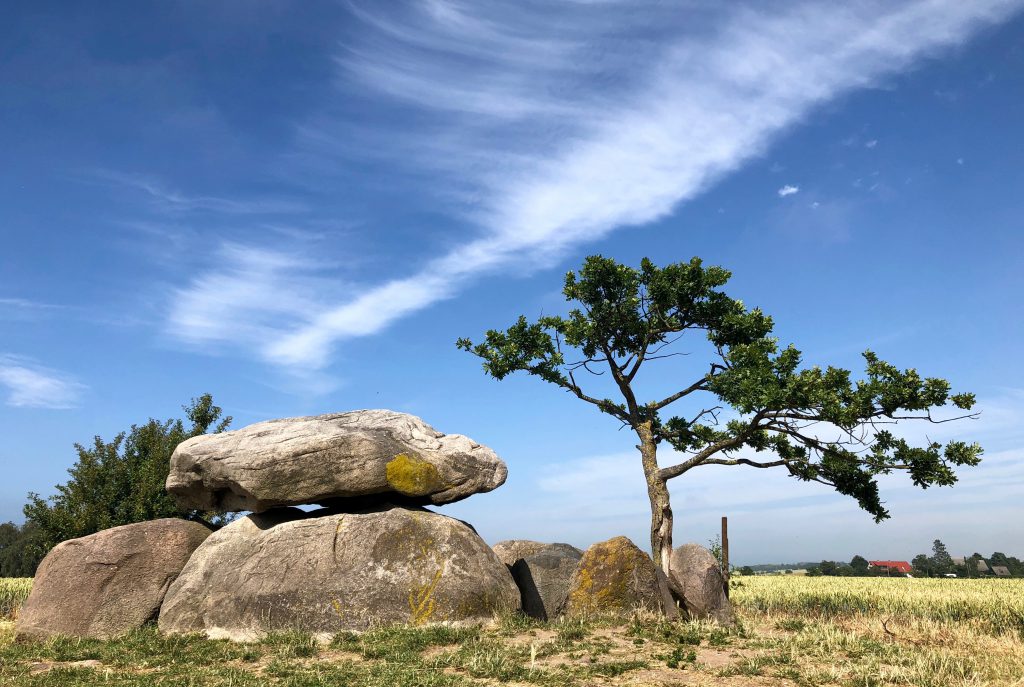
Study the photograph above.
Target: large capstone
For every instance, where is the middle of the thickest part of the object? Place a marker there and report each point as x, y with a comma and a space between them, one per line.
108, 583
324, 572
615, 577
696, 578
374, 454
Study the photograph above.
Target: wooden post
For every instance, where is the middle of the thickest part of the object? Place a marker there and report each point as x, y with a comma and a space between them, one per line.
725, 553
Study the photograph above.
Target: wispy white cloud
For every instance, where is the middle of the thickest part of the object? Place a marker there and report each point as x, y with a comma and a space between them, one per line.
549, 128
788, 190
25, 309
249, 295
31, 385
26, 304
872, 143
171, 201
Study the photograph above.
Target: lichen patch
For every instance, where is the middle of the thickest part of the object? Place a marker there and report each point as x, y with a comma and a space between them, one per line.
411, 475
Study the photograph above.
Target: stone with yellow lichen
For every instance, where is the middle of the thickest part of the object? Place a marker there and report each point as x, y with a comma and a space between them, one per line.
615, 577
326, 572
370, 455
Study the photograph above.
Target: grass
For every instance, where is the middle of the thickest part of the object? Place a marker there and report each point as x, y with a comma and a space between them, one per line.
813, 632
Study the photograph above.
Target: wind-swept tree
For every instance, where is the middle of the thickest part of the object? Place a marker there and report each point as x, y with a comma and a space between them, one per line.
818, 424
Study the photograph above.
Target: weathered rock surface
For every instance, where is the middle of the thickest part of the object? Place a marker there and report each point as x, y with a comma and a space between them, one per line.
324, 458
543, 580
697, 580
108, 583
329, 571
511, 550
615, 577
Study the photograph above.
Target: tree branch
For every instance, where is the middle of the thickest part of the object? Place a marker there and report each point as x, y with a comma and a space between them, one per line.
623, 384
696, 386
745, 461
606, 404
723, 445
676, 470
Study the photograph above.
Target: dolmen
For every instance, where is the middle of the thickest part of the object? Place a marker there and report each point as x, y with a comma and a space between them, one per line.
335, 536
371, 554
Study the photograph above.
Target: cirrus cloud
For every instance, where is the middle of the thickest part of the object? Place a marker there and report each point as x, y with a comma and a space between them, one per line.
30, 385
544, 127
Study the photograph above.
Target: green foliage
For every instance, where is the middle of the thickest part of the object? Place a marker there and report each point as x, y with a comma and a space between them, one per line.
121, 481
941, 561
18, 554
715, 547
922, 565
680, 658
623, 317
833, 569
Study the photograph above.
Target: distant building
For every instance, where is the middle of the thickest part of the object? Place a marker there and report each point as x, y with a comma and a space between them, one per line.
983, 567
1000, 571
892, 567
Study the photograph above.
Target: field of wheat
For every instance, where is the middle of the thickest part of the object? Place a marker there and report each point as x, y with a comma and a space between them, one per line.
13, 592
992, 606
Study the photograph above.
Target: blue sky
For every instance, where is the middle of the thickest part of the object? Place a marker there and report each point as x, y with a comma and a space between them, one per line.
298, 207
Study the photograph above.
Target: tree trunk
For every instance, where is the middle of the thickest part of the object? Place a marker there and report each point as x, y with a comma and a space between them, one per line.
657, 492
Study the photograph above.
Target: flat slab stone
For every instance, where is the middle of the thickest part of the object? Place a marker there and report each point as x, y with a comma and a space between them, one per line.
369, 454
325, 572
108, 583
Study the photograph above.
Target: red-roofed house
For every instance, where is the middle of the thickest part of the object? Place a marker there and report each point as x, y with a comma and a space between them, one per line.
890, 567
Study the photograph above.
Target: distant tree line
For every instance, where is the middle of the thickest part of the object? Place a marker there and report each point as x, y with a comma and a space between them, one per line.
112, 483
857, 567
939, 564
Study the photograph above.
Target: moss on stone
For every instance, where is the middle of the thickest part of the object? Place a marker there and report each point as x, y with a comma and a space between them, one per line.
612, 577
410, 475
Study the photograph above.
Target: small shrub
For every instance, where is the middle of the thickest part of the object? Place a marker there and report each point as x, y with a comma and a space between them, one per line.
680, 658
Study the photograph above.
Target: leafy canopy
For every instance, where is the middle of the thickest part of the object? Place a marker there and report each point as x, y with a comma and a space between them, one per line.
121, 481
624, 317
17, 557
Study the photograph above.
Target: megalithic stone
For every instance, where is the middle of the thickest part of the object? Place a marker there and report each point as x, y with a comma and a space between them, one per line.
372, 455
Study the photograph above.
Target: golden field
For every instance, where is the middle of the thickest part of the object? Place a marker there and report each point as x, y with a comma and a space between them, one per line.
13, 591
991, 606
